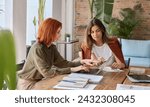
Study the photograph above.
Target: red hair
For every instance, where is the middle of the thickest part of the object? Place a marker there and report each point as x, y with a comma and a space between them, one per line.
47, 31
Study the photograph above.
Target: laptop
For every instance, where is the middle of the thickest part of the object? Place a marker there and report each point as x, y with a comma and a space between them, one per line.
138, 78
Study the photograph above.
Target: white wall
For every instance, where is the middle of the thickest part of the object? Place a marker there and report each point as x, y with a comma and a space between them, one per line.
68, 24
19, 28
57, 7
63, 10
57, 14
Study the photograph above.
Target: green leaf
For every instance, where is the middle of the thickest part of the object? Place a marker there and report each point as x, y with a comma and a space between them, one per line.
41, 9
1, 61
124, 26
34, 21
7, 51
103, 10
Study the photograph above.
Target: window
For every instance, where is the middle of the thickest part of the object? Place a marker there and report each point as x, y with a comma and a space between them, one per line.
32, 10
2, 13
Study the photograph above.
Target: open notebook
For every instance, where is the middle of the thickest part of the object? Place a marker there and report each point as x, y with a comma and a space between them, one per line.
79, 81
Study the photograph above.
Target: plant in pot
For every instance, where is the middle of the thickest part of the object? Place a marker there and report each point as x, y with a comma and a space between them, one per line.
123, 27
67, 37
7, 61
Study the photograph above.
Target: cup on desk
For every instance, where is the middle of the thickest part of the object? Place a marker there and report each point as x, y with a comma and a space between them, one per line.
67, 37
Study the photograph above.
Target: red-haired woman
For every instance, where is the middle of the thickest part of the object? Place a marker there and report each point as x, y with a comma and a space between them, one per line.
43, 55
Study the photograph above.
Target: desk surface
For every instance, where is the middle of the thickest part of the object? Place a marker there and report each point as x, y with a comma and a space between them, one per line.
109, 81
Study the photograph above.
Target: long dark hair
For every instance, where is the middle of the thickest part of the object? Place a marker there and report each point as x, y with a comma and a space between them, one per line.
88, 38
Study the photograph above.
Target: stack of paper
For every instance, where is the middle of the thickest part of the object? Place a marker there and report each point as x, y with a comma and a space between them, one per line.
131, 87
79, 81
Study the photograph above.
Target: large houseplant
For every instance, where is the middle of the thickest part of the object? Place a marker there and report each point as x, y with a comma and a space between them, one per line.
101, 9
7, 60
123, 27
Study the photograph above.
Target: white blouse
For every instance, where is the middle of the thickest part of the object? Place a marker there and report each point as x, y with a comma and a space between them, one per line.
102, 51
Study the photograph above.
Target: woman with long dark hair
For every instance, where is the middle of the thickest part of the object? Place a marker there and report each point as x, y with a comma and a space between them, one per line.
98, 47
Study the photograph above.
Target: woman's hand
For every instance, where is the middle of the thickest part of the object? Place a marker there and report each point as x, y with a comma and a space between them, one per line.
101, 59
98, 61
79, 68
87, 62
116, 65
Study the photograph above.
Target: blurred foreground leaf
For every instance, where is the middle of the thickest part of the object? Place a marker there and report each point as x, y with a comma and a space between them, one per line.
7, 60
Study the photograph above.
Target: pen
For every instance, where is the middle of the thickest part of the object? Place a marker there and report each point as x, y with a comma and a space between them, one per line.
68, 81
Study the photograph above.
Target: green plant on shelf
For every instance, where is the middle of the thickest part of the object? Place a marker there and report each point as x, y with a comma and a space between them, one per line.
67, 37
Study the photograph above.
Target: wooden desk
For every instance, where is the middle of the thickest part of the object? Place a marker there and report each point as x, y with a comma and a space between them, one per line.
111, 79
109, 82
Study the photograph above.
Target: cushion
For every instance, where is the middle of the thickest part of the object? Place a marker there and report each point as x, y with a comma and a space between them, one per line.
138, 48
138, 61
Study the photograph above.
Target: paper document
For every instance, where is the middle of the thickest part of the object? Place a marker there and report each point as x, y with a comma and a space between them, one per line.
131, 87
73, 82
79, 81
87, 87
94, 79
109, 69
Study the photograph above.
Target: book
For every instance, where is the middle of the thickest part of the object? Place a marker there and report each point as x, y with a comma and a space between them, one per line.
79, 81
131, 87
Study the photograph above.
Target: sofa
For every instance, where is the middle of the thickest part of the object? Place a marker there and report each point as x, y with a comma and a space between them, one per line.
138, 51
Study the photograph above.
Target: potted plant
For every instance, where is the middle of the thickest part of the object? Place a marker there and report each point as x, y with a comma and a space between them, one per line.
123, 27
67, 37
7, 61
